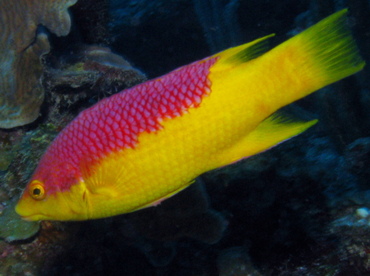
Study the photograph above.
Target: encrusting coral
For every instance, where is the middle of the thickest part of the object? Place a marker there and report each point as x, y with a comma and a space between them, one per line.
13, 227
21, 93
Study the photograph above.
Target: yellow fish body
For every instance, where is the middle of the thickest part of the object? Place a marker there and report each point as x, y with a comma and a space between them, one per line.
147, 143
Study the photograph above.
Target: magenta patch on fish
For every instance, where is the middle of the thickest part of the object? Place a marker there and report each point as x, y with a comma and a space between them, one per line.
116, 122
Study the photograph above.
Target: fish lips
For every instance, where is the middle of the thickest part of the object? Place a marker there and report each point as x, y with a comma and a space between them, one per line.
26, 210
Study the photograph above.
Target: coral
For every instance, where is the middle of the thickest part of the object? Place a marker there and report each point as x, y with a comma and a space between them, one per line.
352, 229
21, 68
92, 67
36, 256
12, 227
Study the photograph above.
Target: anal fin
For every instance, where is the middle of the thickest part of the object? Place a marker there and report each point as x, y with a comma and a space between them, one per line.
272, 131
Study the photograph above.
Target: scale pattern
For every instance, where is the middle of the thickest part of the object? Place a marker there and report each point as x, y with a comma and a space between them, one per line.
116, 122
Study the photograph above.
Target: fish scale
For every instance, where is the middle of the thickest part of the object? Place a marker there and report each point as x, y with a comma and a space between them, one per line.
133, 116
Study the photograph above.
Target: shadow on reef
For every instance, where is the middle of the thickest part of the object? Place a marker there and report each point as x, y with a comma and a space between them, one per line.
300, 209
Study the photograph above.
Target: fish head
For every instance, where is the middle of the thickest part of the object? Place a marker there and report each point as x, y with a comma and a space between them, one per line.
42, 201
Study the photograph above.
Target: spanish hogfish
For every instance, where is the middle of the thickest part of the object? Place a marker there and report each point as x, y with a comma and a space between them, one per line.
147, 143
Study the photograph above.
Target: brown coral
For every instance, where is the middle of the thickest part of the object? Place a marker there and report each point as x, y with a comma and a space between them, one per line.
21, 93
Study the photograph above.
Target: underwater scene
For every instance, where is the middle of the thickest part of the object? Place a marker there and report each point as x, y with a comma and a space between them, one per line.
187, 138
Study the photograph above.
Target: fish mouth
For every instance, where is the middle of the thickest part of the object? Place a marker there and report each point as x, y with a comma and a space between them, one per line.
28, 216
35, 217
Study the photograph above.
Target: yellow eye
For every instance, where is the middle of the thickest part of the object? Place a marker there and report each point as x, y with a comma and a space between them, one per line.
37, 190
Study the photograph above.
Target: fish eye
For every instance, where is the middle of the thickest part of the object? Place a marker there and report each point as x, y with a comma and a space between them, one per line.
37, 190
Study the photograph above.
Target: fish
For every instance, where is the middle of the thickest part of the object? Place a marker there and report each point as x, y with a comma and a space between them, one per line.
145, 144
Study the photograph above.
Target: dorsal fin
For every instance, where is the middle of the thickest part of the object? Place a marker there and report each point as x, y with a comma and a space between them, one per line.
256, 48
245, 52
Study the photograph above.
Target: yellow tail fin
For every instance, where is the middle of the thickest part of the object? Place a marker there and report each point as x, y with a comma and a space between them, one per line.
320, 55
332, 48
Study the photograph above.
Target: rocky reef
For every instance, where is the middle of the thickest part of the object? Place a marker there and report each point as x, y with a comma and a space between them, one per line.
22, 49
